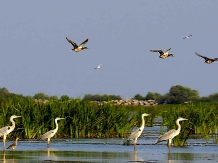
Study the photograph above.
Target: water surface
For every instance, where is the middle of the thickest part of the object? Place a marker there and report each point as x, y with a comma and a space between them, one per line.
111, 151
108, 151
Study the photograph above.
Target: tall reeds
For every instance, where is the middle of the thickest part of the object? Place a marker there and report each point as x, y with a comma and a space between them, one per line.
202, 119
85, 119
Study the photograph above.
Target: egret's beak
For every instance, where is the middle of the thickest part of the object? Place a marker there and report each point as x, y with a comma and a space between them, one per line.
17, 116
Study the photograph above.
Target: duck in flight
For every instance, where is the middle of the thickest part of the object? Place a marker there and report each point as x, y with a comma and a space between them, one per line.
187, 37
163, 54
207, 60
77, 48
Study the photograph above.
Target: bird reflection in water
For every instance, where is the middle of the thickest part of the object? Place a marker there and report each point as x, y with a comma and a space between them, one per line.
135, 155
3, 156
48, 152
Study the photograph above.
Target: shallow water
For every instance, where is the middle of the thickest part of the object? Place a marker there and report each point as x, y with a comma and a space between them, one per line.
110, 151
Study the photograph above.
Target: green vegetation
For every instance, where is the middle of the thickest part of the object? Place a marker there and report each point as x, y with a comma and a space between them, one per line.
150, 96
177, 94
87, 119
202, 119
83, 119
98, 97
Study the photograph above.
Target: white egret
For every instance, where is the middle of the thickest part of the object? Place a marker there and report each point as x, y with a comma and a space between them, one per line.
48, 135
8, 129
135, 134
169, 135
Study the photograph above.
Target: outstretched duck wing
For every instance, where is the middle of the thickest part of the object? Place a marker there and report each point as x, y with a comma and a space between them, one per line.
167, 51
159, 51
73, 43
201, 56
83, 43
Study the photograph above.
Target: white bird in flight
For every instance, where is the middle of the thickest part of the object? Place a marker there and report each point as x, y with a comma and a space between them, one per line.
187, 37
99, 66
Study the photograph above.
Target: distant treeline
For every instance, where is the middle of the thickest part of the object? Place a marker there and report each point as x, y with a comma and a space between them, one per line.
98, 97
177, 94
87, 119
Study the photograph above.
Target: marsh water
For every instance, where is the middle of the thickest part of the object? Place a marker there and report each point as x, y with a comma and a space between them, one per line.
110, 151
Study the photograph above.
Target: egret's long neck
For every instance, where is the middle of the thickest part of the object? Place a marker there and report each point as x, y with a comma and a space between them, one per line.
143, 122
179, 126
13, 123
56, 122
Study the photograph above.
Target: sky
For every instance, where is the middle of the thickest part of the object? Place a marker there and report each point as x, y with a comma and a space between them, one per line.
35, 56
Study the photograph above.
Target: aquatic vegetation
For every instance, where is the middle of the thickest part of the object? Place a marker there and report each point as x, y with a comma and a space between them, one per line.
83, 119
202, 119
86, 119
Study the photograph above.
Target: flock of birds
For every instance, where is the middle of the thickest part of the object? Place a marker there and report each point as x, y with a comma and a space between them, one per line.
134, 135
163, 55
8, 129
169, 135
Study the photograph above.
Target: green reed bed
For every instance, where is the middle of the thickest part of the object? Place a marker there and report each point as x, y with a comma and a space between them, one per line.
83, 119
202, 120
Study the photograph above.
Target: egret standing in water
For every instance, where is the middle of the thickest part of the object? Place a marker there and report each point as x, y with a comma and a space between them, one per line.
135, 134
50, 133
169, 135
7, 129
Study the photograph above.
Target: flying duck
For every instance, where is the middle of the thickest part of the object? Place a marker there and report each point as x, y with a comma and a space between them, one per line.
187, 37
99, 66
207, 60
163, 54
77, 48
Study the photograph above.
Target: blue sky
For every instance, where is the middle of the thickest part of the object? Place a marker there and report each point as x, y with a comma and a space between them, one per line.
35, 56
